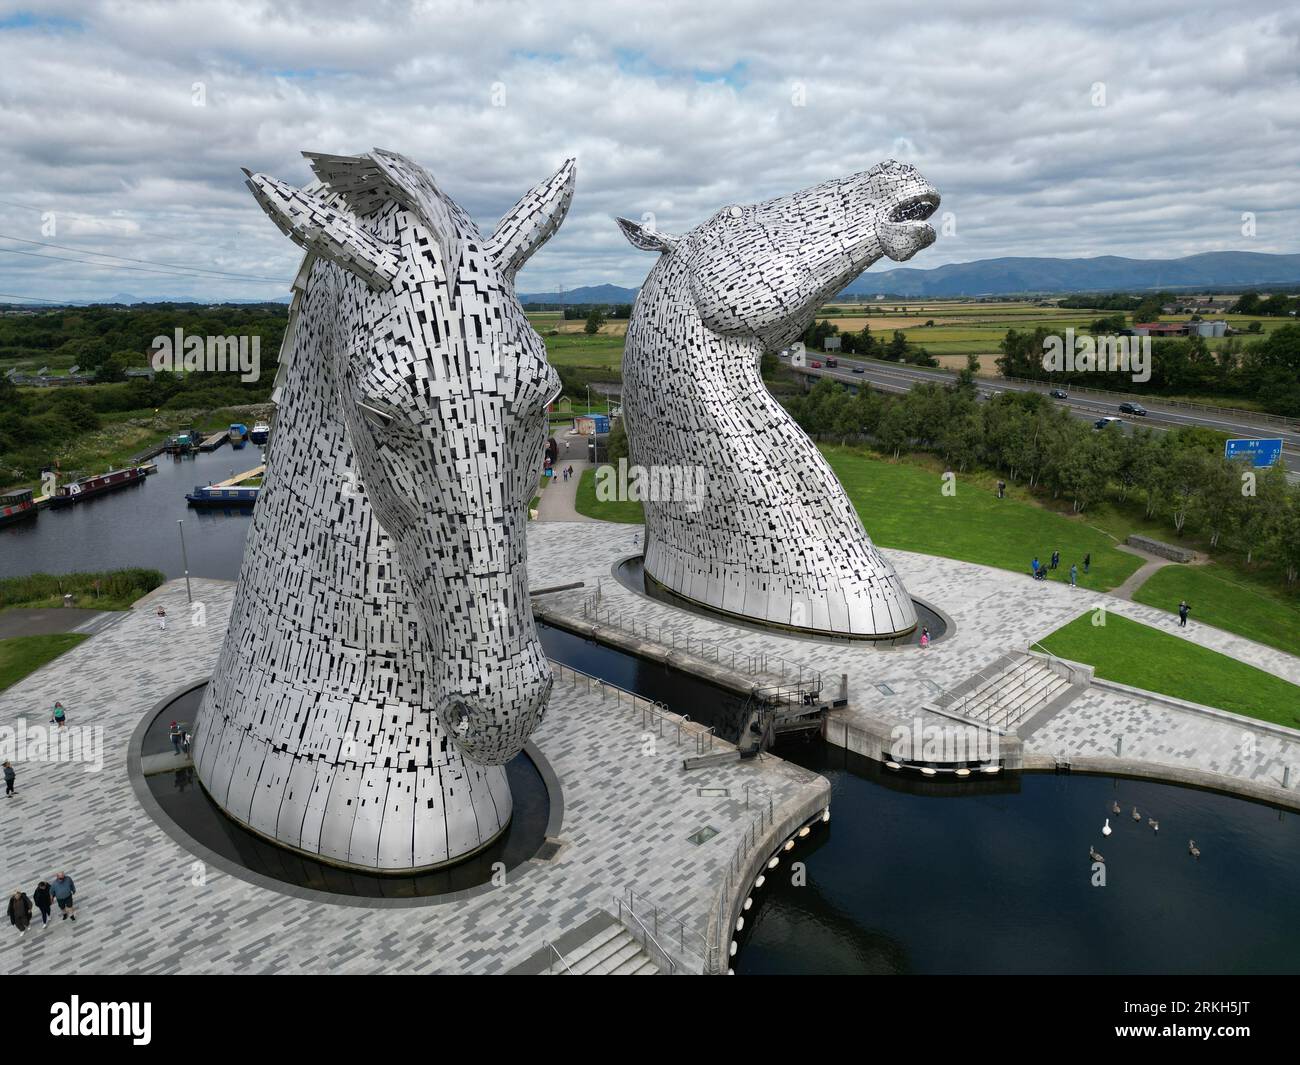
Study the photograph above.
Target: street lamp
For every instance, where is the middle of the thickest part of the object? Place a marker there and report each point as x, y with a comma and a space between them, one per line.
180, 525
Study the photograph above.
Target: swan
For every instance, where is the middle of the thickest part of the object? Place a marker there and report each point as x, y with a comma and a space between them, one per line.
1136, 816
1193, 849
1095, 855
1106, 829
1155, 825
1114, 808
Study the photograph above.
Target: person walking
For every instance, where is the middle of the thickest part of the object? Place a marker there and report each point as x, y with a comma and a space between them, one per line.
162, 616
60, 715
1074, 575
20, 911
1183, 611
1056, 559
1034, 565
1002, 489
175, 734
62, 888
44, 901
925, 637
9, 779
1087, 561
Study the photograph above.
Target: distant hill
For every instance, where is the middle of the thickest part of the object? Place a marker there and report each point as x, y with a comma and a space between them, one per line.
589, 294
1106, 273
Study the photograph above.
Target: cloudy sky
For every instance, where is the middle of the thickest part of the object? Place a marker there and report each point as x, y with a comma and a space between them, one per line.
1141, 129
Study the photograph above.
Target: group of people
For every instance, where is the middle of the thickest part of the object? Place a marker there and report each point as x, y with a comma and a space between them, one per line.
178, 732
48, 893
1040, 569
566, 473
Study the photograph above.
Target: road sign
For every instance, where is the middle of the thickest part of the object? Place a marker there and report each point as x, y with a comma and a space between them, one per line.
1260, 452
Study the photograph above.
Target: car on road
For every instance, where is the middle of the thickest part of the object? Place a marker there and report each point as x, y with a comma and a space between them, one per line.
814, 365
1059, 393
859, 369
1102, 423
1136, 409
832, 362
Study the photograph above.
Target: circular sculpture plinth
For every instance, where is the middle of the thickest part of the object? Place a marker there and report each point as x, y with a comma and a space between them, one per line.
177, 801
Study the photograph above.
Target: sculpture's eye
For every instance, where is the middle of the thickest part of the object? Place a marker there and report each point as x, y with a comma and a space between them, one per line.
377, 412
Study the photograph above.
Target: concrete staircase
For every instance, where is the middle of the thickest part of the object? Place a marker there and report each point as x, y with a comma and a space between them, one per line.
1014, 689
609, 952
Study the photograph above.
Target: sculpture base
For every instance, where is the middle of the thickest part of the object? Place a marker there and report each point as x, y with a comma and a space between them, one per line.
184, 809
630, 572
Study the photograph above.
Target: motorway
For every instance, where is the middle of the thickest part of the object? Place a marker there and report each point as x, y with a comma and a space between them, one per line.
896, 377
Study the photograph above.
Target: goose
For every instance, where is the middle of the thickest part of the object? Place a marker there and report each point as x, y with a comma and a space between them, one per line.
1114, 808
1106, 829
1136, 816
1095, 855
1193, 849
1155, 825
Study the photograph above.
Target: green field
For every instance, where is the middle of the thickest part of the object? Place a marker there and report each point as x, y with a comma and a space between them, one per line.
1142, 657
578, 349
902, 506
1224, 598
21, 655
586, 503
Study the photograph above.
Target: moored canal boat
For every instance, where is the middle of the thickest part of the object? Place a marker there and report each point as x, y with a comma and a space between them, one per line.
223, 496
260, 433
88, 487
17, 506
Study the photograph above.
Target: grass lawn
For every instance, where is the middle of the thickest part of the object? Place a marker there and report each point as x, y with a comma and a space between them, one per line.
1129, 653
1221, 597
578, 349
587, 504
22, 655
901, 505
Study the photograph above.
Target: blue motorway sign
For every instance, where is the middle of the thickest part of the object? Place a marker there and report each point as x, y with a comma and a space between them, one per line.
1260, 452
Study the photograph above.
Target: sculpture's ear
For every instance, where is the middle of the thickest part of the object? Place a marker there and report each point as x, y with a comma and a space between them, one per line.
532, 221
331, 234
644, 237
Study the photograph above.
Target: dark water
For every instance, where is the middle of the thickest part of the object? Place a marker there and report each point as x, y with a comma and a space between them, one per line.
680, 692
631, 574
136, 526
993, 876
999, 881
186, 803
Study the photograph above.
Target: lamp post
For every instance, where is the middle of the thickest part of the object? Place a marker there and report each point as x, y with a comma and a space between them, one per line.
180, 525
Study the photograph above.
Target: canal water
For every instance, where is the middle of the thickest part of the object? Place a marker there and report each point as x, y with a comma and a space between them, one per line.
994, 876
136, 526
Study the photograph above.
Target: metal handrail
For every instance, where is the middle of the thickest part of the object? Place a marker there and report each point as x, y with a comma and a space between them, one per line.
672, 965
755, 663
699, 945
658, 712
551, 964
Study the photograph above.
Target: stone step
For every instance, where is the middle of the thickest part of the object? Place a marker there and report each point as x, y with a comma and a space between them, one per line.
578, 956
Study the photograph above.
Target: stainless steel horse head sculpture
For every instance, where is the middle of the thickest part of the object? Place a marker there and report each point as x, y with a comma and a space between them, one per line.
382, 664
777, 539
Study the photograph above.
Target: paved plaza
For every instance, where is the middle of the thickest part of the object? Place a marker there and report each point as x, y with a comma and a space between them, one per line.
993, 612
628, 810
627, 813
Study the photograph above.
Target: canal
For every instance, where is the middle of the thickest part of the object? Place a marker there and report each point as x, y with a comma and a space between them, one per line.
136, 526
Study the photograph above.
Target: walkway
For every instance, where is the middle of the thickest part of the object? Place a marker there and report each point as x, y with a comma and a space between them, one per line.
45, 620
149, 905
1138, 577
994, 611
558, 498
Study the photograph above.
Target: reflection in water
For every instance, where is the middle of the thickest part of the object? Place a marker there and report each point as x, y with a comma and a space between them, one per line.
136, 526
999, 881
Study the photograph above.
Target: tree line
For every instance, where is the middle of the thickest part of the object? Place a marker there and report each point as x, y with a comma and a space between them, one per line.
1180, 477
